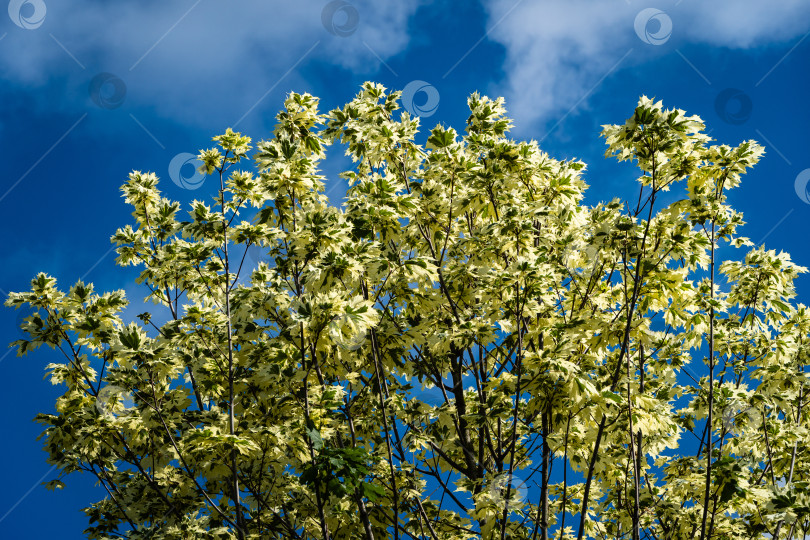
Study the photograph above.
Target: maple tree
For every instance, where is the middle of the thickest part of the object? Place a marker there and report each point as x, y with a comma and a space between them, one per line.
461, 349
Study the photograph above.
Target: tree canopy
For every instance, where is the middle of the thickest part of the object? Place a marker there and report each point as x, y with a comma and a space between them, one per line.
461, 348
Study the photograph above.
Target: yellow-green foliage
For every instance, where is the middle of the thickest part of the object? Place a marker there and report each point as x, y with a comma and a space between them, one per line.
460, 349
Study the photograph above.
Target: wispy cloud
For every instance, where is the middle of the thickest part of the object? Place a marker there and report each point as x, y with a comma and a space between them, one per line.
197, 62
557, 50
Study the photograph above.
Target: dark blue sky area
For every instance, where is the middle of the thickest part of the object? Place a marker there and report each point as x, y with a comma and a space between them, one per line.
93, 89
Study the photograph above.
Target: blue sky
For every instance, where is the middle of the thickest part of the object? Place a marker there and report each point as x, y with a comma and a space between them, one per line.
93, 89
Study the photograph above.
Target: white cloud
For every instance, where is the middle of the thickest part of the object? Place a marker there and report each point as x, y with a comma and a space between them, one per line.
202, 62
558, 50
743, 23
